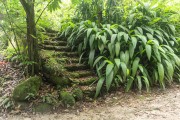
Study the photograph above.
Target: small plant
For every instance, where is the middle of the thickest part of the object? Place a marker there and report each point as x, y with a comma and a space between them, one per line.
30, 96
49, 98
6, 102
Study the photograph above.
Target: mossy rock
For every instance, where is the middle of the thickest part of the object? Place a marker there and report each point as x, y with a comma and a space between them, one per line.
60, 81
52, 67
46, 54
67, 98
42, 108
29, 86
78, 94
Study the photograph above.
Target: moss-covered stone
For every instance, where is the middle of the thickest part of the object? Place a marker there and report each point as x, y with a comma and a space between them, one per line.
46, 54
52, 67
29, 86
78, 94
43, 108
57, 80
67, 98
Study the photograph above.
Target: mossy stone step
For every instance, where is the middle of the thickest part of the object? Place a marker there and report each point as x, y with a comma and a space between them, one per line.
80, 73
51, 34
62, 48
66, 54
46, 54
88, 80
68, 60
60, 39
56, 48
74, 67
55, 43
88, 90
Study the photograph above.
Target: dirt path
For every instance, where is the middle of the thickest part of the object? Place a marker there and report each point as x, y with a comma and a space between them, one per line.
119, 106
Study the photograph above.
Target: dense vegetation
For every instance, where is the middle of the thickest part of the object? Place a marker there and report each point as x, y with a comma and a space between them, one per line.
130, 44
138, 49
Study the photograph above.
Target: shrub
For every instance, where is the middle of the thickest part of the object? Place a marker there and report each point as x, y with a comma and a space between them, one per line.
140, 52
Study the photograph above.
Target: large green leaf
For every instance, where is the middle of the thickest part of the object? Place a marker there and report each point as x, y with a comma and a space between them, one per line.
131, 50
99, 86
97, 60
91, 57
117, 48
148, 51
91, 41
118, 62
161, 74
126, 36
113, 38
124, 68
109, 68
129, 83
134, 42
122, 56
170, 69
89, 32
135, 66
109, 75
146, 81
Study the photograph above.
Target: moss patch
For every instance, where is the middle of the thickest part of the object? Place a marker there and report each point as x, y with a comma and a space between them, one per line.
61, 81
53, 67
46, 54
67, 98
29, 86
78, 94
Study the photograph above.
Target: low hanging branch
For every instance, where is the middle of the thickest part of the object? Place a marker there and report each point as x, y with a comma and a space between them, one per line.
8, 38
43, 11
11, 24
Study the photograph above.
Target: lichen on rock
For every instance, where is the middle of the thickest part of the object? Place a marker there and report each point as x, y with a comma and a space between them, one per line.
28, 86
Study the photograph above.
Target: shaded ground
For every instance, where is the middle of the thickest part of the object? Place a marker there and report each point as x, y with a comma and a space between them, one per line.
158, 105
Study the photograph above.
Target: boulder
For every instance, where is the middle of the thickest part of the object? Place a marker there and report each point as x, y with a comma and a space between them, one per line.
28, 86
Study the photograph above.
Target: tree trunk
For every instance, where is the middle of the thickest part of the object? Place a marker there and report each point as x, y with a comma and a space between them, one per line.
31, 36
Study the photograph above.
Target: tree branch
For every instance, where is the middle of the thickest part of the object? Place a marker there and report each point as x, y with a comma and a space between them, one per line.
25, 5
43, 11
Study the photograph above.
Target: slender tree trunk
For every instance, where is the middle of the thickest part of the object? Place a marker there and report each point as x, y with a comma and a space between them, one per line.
31, 36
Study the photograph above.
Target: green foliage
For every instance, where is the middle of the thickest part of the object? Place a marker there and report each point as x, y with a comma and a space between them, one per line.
139, 52
78, 94
67, 98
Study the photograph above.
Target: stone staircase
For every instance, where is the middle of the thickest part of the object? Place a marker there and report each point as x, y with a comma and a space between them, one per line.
60, 66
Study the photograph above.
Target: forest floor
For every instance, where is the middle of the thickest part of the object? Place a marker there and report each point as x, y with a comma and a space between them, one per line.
157, 105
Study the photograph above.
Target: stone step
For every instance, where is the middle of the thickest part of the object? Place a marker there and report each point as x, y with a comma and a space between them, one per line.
80, 73
68, 60
88, 80
56, 48
51, 34
62, 48
59, 39
55, 43
66, 54
74, 67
